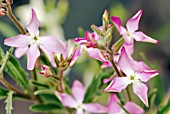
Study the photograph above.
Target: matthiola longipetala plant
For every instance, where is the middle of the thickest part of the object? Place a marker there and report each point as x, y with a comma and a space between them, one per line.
119, 87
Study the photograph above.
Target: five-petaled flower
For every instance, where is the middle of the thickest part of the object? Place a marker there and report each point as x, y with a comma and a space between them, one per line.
114, 108
76, 101
132, 25
30, 43
136, 73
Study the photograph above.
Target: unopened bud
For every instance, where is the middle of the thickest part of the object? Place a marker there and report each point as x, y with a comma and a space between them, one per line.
9, 1
95, 29
2, 12
46, 71
105, 15
118, 45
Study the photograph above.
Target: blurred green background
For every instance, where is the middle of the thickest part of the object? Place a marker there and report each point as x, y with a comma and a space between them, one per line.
62, 18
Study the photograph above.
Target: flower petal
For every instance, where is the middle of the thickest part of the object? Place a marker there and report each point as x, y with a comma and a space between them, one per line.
95, 108
18, 41
126, 63
106, 80
132, 108
33, 24
78, 91
129, 48
49, 54
113, 104
79, 111
144, 76
116, 21
118, 84
77, 53
141, 37
19, 52
140, 66
141, 91
66, 100
133, 23
32, 54
96, 54
52, 43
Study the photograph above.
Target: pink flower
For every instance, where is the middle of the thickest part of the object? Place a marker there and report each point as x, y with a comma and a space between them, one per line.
30, 44
136, 73
76, 101
46, 71
130, 33
89, 40
114, 108
97, 54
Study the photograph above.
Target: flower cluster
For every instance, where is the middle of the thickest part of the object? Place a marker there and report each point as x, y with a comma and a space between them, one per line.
97, 44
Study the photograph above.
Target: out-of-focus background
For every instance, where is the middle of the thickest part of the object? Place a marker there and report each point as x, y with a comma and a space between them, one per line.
62, 18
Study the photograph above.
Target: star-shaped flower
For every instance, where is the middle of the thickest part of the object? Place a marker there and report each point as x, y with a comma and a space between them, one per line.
76, 101
131, 32
32, 42
136, 73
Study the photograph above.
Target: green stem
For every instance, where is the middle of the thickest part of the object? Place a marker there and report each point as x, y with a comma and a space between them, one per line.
61, 86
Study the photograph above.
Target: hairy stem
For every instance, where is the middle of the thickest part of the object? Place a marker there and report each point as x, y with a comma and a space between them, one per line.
14, 20
10, 87
61, 86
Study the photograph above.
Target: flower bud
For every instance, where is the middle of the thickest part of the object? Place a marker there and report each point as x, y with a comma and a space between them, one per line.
118, 45
46, 71
9, 1
2, 12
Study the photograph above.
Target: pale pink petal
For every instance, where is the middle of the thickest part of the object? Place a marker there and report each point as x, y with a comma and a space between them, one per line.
52, 43
49, 54
95, 108
32, 54
113, 104
123, 31
133, 23
132, 108
77, 53
129, 48
78, 91
106, 80
144, 76
66, 100
141, 91
140, 66
140, 36
96, 54
33, 24
66, 52
19, 52
18, 41
116, 21
118, 84
126, 62
79, 111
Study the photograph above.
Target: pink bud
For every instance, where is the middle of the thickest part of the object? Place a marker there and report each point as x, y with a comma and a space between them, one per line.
2, 12
46, 71
9, 1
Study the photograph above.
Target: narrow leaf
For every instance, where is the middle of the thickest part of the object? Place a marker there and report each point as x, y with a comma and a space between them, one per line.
8, 102
43, 107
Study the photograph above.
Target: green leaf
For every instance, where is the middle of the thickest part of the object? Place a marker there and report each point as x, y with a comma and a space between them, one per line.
3, 93
152, 96
96, 86
8, 102
43, 107
39, 84
7, 30
14, 69
50, 98
164, 109
44, 91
